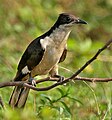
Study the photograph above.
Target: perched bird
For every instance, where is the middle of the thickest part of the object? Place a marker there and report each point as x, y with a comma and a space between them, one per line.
43, 55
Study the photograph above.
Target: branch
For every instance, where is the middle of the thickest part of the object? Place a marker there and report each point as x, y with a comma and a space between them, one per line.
92, 59
92, 79
25, 83
73, 77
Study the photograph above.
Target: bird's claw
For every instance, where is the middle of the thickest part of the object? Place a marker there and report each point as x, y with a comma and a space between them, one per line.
32, 82
61, 78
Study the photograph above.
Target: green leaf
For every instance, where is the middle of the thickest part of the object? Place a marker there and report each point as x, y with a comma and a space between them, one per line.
47, 97
75, 100
66, 107
61, 91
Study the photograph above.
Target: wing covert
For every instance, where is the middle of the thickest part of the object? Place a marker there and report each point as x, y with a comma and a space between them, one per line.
32, 56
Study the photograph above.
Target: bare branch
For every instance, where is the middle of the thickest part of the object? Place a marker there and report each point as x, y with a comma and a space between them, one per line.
92, 79
25, 84
92, 59
73, 77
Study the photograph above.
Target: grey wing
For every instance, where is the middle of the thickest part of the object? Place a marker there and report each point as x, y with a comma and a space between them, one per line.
31, 57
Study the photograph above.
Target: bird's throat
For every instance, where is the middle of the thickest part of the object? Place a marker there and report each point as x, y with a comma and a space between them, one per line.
60, 35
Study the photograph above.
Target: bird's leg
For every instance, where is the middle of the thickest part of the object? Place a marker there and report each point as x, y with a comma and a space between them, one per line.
61, 78
31, 80
54, 73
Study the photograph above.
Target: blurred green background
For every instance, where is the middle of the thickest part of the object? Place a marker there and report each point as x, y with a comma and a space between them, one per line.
21, 21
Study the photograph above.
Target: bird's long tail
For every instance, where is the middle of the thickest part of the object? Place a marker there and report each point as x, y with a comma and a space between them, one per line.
18, 97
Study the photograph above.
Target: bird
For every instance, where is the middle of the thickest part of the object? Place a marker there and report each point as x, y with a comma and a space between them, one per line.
43, 55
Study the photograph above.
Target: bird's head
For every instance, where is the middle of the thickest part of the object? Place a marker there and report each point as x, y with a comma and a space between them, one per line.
69, 20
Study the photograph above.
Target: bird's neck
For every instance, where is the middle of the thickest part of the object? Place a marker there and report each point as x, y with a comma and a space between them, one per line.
60, 34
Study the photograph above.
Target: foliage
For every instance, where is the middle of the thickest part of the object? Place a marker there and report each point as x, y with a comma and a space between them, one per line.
22, 21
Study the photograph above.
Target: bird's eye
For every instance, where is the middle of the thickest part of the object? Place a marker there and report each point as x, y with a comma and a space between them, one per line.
68, 19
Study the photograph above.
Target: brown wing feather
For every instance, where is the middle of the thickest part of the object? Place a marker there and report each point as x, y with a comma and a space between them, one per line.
64, 54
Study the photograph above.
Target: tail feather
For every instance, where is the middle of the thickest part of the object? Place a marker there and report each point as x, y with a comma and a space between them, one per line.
18, 97
22, 97
14, 96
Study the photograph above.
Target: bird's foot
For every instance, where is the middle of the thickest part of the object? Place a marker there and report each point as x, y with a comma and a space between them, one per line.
32, 81
61, 78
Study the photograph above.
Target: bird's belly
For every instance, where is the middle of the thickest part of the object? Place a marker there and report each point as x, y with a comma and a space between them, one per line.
50, 58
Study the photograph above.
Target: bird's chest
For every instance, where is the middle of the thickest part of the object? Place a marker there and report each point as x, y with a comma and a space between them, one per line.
51, 57
52, 54
54, 47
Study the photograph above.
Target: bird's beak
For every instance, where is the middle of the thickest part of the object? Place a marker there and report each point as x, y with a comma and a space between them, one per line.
79, 21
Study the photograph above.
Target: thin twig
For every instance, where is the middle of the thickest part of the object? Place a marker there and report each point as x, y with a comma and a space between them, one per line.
25, 84
73, 77
92, 59
93, 79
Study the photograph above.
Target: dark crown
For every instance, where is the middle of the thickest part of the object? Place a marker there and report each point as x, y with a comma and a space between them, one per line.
65, 18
